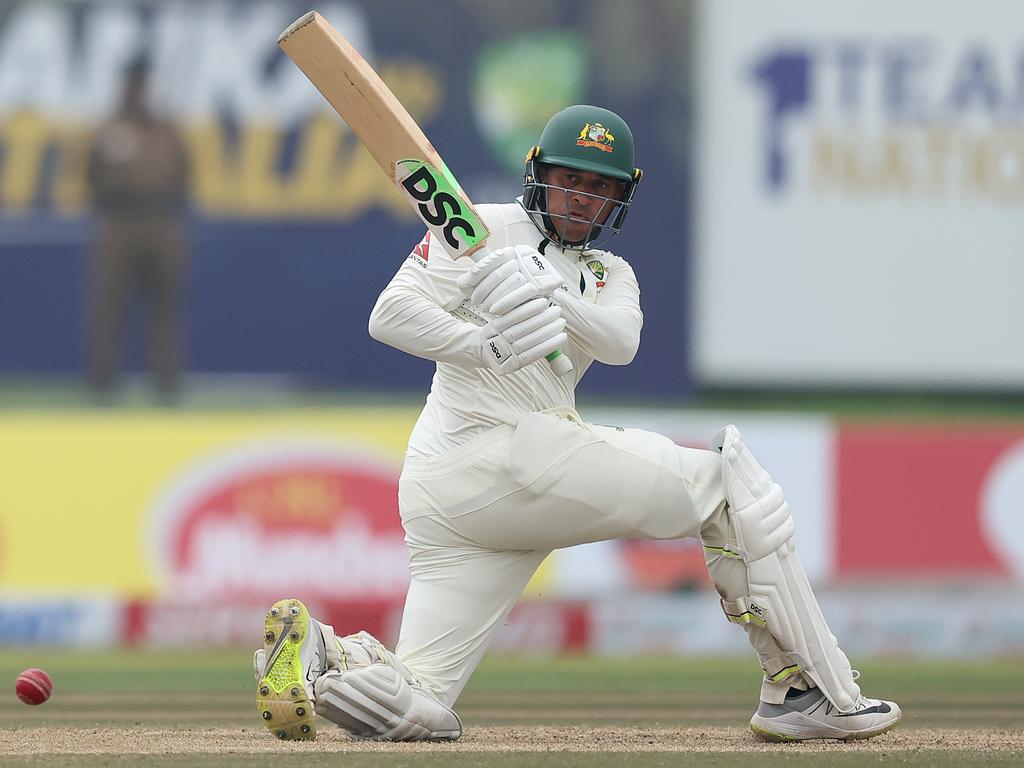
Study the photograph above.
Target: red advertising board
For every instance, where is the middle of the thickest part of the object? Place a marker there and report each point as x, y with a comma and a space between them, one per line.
929, 502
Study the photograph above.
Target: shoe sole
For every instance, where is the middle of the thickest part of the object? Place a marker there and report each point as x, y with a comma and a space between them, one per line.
281, 694
766, 735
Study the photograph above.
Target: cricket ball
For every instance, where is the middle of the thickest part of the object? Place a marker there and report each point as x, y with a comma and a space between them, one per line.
33, 686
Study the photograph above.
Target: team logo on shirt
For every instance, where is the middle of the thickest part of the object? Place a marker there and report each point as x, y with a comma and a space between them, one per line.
597, 268
596, 135
421, 252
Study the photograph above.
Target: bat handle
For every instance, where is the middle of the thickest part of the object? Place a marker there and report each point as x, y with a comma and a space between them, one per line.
559, 363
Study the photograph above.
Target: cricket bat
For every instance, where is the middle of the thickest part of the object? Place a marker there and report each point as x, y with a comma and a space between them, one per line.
394, 139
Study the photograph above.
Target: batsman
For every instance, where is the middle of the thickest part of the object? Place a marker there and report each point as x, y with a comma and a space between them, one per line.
501, 470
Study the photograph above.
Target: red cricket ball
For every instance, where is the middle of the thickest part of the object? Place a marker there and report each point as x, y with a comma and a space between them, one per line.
33, 686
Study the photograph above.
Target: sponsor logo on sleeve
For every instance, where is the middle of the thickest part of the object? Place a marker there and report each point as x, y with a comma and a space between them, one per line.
421, 253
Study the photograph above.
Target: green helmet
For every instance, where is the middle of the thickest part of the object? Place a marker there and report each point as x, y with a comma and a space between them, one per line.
585, 138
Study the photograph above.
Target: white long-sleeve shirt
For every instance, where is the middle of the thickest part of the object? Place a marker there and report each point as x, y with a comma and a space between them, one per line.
600, 302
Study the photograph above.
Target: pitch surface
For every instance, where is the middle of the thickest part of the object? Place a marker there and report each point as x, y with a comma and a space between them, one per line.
173, 709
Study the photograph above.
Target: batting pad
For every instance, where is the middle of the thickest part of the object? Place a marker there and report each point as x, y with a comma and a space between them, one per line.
779, 598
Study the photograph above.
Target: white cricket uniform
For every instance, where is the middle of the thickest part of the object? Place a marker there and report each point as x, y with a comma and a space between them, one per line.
501, 469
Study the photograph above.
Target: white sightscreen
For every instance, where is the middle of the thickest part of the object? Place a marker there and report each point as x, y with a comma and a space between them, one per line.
860, 193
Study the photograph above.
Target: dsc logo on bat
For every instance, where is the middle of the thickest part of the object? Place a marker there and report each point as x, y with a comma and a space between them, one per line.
436, 198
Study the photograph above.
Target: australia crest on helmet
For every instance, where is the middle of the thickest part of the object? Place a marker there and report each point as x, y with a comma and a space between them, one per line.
596, 135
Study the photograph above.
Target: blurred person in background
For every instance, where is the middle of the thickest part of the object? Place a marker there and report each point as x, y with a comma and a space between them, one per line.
138, 177
501, 470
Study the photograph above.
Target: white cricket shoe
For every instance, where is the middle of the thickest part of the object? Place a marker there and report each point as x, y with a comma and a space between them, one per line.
293, 656
809, 715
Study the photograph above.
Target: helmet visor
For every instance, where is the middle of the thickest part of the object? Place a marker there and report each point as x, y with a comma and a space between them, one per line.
576, 219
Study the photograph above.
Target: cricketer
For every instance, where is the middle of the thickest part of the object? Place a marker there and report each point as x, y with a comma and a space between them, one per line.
501, 470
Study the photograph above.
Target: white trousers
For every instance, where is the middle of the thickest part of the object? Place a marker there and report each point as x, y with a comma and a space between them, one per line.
480, 520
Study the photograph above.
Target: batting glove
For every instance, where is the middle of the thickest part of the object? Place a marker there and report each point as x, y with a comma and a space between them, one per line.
522, 335
508, 277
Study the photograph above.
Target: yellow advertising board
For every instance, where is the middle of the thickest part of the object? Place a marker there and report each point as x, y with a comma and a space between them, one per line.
79, 490
232, 504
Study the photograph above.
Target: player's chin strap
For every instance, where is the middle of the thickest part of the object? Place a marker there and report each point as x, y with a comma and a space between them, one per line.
751, 556
372, 695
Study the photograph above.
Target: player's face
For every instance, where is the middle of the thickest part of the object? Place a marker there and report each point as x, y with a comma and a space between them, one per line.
582, 201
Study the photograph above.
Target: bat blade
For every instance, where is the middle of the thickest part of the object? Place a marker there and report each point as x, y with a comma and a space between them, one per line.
387, 130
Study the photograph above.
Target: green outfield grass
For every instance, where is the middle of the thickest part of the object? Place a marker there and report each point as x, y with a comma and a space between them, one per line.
515, 712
